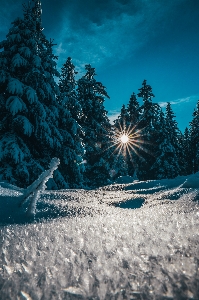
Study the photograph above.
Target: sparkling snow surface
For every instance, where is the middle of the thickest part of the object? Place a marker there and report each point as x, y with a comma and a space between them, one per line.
81, 246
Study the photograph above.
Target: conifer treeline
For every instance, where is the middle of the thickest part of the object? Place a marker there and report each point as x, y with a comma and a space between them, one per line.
40, 119
160, 149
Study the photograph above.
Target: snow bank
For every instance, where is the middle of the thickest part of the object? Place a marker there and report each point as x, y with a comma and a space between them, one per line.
124, 179
192, 181
102, 251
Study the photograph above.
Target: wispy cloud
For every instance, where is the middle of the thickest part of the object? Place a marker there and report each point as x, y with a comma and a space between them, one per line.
113, 115
180, 100
105, 32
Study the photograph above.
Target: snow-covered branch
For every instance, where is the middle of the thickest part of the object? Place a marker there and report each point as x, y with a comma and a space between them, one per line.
38, 186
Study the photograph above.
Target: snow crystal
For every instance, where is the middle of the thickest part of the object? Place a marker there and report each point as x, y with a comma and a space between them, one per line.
90, 249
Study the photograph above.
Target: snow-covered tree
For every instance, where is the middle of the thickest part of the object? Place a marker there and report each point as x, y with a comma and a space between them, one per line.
188, 159
194, 139
29, 135
121, 123
70, 112
148, 124
133, 109
96, 126
174, 135
133, 127
166, 163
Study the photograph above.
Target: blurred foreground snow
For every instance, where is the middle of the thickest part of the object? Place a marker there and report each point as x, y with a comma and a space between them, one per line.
80, 245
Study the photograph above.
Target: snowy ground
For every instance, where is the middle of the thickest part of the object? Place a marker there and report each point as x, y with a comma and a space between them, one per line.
85, 245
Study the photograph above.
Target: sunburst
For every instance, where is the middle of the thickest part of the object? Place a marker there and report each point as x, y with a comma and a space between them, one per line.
129, 140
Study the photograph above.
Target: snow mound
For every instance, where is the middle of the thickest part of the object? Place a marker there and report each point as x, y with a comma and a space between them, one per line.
192, 181
124, 179
158, 184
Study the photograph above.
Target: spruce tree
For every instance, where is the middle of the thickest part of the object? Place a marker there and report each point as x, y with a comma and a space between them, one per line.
70, 112
29, 135
166, 163
121, 123
174, 133
133, 109
133, 125
194, 139
118, 157
188, 160
96, 127
147, 123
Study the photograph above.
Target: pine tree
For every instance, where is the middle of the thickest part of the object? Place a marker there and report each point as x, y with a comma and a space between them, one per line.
174, 137
147, 111
122, 121
188, 163
29, 136
118, 158
133, 110
149, 117
166, 164
95, 123
70, 112
133, 125
194, 139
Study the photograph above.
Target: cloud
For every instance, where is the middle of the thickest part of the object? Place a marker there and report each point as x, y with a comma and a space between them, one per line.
105, 32
192, 98
101, 32
113, 115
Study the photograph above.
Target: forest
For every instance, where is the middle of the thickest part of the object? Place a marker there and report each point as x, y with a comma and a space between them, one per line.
45, 113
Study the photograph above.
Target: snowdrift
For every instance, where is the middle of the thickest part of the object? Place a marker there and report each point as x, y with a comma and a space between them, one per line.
82, 245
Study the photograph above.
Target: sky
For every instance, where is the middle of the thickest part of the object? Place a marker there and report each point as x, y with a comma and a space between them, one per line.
127, 41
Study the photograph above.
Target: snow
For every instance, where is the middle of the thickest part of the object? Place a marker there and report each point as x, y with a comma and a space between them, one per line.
31, 94
80, 245
15, 86
27, 126
15, 104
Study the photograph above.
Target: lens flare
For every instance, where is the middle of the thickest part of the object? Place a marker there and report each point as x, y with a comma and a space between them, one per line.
129, 140
124, 138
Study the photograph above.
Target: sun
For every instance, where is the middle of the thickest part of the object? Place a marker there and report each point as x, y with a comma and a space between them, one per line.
127, 140
124, 138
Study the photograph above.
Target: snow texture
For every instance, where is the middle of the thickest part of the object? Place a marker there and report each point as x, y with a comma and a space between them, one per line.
80, 245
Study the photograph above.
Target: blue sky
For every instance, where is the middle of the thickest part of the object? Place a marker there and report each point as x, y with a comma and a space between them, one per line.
127, 41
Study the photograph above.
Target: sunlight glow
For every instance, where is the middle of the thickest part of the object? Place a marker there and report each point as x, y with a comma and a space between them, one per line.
124, 138
128, 141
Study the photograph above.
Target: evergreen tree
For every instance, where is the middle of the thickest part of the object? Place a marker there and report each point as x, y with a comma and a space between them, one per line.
29, 136
194, 139
122, 121
133, 110
166, 164
96, 126
174, 137
133, 129
147, 124
118, 159
188, 160
147, 107
69, 117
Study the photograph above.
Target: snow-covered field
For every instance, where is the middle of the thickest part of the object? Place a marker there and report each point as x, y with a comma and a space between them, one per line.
84, 245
